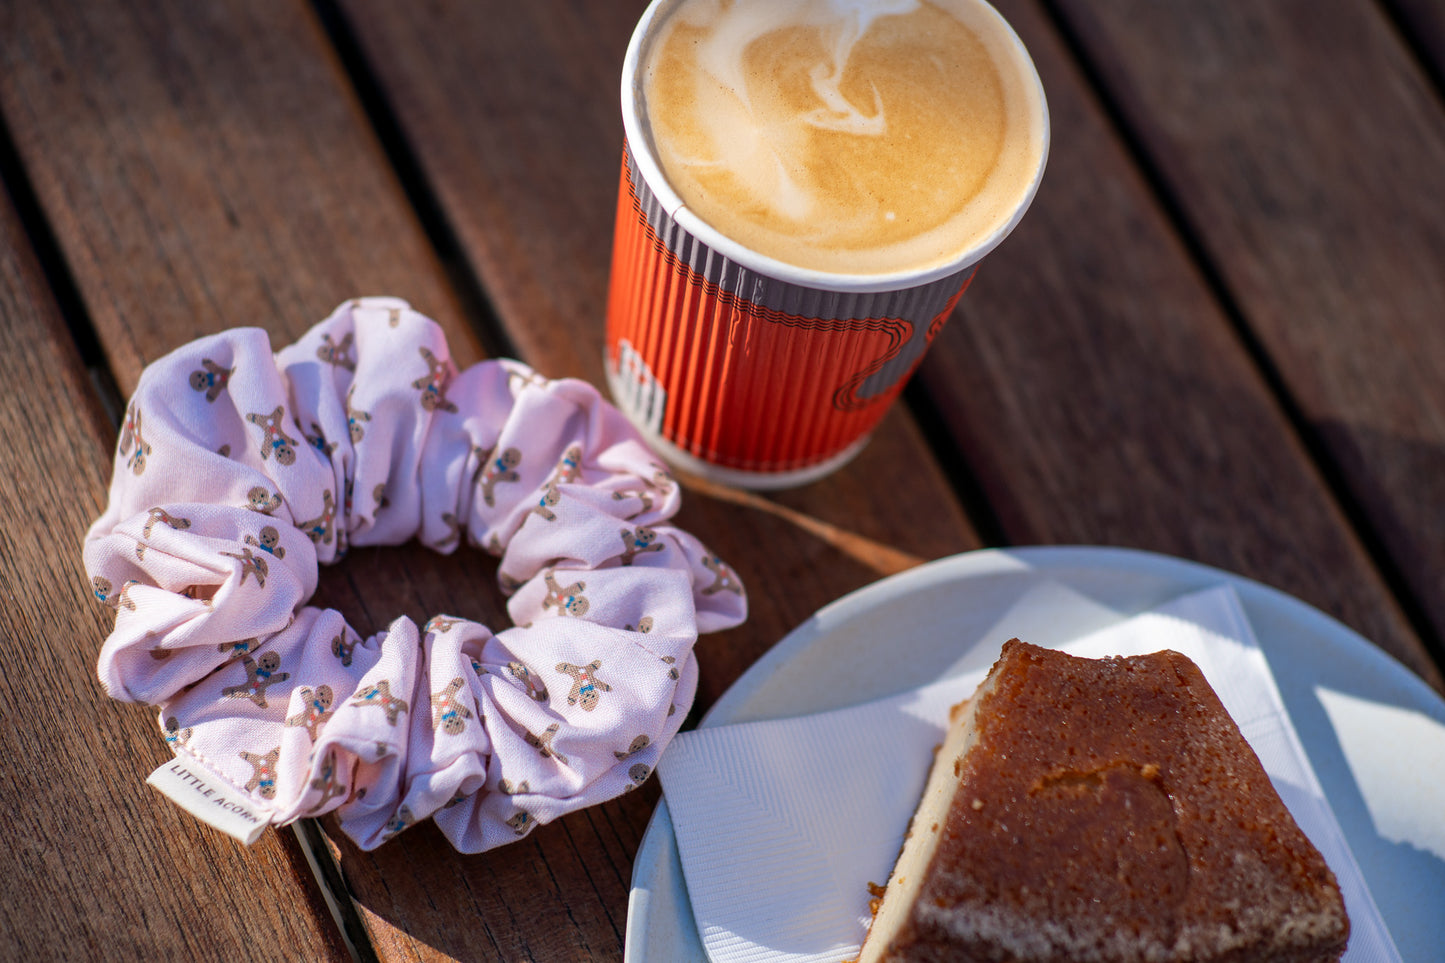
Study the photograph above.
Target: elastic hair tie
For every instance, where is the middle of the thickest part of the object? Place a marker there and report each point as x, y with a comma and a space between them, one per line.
239, 471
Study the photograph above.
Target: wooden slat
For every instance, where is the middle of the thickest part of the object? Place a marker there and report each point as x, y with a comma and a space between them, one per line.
523, 157
203, 168
100, 866
1423, 23
206, 166
512, 109
1306, 147
512, 112
1102, 396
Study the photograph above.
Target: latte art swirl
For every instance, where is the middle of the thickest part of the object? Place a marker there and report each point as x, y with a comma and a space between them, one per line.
854, 136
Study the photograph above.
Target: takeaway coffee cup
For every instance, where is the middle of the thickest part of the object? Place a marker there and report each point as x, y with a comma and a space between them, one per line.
807, 189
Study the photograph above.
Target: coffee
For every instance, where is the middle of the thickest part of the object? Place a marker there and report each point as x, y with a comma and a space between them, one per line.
807, 187
846, 136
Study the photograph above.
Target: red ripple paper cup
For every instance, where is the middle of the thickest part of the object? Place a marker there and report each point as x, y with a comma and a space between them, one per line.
739, 367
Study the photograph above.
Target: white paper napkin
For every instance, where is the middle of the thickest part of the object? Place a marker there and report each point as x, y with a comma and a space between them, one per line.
1397, 757
780, 824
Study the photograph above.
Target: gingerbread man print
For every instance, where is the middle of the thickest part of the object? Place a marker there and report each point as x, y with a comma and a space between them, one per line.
521, 822
343, 648
433, 384
448, 713
491, 472
723, 578
380, 695
440, 625
315, 711
316, 438
662, 479
568, 600
261, 674
637, 745
454, 531
251, 564
536, 688
235, 651
402, 821
211, 378
355, 420
269, 542
165, 518
321, 528
479, 459
642, 495
328, 782
274, 439
587, 689
337, 353
130, 435
635, 543
543, 743
176, 737
569, 467
551, 495
258, 499
263, 772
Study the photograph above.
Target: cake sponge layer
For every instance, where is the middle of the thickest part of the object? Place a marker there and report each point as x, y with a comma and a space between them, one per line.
1109, 810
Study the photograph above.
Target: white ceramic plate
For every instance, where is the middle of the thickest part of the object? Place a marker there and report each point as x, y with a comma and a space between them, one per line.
902, 632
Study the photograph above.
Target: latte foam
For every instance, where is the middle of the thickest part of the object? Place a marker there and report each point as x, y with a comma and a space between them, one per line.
846, 136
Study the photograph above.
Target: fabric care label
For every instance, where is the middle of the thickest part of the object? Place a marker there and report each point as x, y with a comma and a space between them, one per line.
197, 790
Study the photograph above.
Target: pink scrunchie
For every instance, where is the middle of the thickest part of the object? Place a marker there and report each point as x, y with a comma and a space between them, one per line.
238, 471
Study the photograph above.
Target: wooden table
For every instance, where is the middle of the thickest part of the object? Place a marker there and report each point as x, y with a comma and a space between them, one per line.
1217, 334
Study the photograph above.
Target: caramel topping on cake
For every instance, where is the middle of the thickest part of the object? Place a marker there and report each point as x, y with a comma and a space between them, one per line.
1105, 810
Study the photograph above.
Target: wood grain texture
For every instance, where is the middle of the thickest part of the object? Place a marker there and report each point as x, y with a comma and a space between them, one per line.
523, 159
101, 866
1306, 149
1422, 25
203, 168
1103, 397
207, 166
522, 155
208, 239
513, 113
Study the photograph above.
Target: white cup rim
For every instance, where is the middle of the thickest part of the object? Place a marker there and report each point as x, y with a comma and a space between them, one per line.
643, 155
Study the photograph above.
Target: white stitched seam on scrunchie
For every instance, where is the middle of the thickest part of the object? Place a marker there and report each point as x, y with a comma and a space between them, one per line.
238, 471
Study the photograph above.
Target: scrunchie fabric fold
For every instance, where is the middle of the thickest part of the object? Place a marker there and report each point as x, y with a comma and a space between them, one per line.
239, 471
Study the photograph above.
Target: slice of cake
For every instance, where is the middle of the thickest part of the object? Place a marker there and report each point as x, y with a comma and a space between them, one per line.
1103, 810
